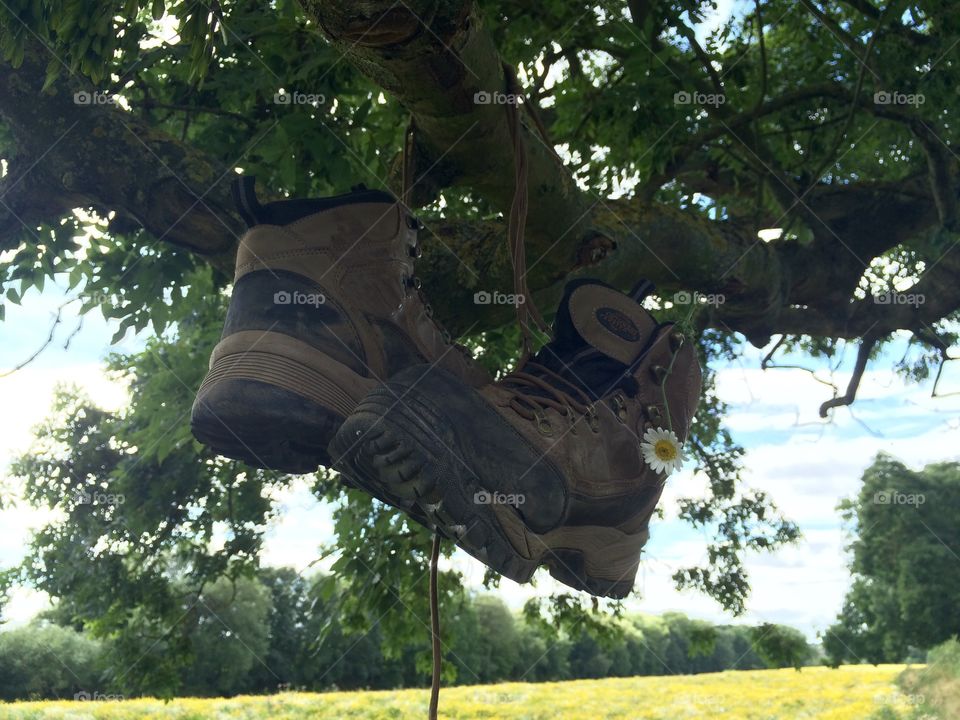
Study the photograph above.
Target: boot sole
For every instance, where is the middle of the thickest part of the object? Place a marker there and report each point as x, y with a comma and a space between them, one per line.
390, 448
274, 402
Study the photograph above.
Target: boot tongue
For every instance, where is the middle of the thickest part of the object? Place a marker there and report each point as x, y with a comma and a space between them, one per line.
594, 316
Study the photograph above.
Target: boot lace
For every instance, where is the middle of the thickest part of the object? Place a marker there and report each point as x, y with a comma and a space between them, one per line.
414, 283
536, 387
532, 377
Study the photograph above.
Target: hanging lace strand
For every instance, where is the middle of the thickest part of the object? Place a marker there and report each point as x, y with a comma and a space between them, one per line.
517, 219
435, 627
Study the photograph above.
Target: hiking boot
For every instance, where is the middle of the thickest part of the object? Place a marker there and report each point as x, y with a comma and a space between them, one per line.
325, 307
560, 463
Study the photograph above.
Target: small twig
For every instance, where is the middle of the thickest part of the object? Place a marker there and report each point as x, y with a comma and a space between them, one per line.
835, 28
765, 363
936, 381
702, 56
903, 31
73, 334
44, 346
153, 105
929, 336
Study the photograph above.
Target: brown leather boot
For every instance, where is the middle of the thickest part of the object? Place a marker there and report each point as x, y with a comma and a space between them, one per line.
561, 463
325, 307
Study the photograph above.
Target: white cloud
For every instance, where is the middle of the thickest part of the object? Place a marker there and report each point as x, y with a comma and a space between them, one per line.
28, 395
304, 523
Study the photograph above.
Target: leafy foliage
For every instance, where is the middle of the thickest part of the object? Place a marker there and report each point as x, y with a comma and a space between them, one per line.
905, 546
781, 646
930, 690
29, 667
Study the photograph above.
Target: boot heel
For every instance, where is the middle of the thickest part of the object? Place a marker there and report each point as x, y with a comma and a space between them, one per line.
274, 401
602, 561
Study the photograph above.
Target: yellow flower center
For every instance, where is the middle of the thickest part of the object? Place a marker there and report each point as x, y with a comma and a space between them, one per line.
665, 450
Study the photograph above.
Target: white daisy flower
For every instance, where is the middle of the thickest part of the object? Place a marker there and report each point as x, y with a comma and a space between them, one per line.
661, 450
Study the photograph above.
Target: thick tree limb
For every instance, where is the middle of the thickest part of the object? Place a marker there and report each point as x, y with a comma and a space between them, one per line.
435, 57
73, 154
438, 60
114, 161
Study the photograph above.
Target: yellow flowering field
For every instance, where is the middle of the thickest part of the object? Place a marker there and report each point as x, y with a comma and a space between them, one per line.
849, 693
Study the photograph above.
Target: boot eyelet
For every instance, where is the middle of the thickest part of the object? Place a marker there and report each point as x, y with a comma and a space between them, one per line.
415, 252
659, 373
676, 340
543, 425
413, 281
653, 412
413, 222
593, 420
620, 408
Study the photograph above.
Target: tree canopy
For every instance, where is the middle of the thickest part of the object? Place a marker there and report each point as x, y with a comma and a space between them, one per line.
905, 546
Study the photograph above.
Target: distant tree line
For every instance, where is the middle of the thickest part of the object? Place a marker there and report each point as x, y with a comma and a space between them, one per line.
283, 631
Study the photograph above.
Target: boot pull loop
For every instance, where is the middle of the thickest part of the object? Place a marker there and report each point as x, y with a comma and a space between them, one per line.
641, 290
245, 199
517, 219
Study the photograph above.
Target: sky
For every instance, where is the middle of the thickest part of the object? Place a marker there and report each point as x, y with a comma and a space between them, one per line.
805, 464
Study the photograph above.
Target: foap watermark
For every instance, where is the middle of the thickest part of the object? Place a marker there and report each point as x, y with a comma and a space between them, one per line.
295, 97
685, 297
894, 698
893, 497
698, 98
496, 98
896, 298
894, 97
498, 498
497, 298
85, 497
95, 298
97, 696
84, 97
283, 297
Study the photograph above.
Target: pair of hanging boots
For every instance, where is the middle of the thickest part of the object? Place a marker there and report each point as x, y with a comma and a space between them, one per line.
330, 356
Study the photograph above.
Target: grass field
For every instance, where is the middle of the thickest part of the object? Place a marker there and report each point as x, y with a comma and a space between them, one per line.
850, 693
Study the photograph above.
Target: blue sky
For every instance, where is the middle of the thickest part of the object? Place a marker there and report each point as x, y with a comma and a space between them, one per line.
806, 465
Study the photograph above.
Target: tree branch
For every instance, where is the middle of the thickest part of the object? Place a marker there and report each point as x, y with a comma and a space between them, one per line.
435, 69
871, 11
863, 355
75, 154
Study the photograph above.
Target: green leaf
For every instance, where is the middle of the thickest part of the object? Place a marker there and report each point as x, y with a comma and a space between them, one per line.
53, 72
